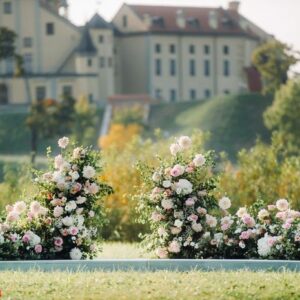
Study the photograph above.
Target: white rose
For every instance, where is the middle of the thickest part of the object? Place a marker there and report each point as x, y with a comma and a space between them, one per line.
63, 142
58, 211
178, 223
199, 160
71, 205
89, 172
167, 184
183, 187
224, 203
184, 142
156, 177
80, 200
282, 204
197, 227
167, 204
67, 221
174, 149
75, 254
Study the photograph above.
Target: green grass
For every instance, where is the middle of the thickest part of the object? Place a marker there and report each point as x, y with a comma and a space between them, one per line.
234, 122
159, 285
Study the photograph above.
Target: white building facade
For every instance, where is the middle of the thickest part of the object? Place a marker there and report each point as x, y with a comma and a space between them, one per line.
170, 53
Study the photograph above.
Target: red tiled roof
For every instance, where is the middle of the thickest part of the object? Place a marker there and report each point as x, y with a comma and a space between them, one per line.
227, 19
254, 79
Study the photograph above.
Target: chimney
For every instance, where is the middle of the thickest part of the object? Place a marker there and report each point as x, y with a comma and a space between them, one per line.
147, 20
234, 6
213, 19
180, 19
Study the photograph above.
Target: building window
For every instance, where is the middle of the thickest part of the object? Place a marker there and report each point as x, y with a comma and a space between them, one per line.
207, 68
110, 62
158, 94
3, 94
67, 91
102, 62
27, 42
173, 95
9, 66
157, 48
192, 67
91, 98
172, 48
125, 21
192, 49
90, 62
193, 94
207, 93
101, 39
7, 8
226, 68
28, 62
172, 67
40, 93
50, 28
158, 70
206, 49
226, 92
225, 50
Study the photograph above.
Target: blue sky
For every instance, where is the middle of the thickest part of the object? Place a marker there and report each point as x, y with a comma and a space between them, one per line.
278, 17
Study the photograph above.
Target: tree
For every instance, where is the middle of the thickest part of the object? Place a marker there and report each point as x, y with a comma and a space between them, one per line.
283, 114
49, 118
85, 129
273, 60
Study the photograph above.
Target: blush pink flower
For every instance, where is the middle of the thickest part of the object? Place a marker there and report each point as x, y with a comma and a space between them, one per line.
192, 218
38, 248
73, 230
190, 202
26, 238
58, 241
162, 252
177, 170
245, 235
248, 220
174, 247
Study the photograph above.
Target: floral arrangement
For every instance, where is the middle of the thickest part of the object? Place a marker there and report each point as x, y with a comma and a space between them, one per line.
61, 221
187, 221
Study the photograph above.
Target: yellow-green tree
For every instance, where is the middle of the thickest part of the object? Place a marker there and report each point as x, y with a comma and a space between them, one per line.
273, 60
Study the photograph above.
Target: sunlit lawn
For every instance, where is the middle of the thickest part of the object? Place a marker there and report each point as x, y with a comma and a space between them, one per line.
159, 285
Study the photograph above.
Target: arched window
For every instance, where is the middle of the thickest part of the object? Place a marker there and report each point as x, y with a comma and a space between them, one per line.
3, 94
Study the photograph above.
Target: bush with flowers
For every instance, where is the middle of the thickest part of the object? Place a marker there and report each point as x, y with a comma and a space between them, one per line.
187, 221
61, 220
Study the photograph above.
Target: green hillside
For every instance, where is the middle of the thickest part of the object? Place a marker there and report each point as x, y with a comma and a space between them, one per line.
233, 121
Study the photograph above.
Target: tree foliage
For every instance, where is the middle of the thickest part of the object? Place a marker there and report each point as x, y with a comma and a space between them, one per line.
283, 114
273, 60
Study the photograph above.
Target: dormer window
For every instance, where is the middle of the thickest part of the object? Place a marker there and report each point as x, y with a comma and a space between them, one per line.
125, 21
158, 21
193, 22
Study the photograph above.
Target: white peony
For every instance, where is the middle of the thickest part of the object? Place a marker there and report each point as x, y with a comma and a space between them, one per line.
183, 186
174, 149
80, 200
282, 204
224, 203
167, 204
199, 160
67, 221
241, 212
71, 205
167, 183
75, 254
20, 207
184, 142
63, 142
263, 246
58, 211
197, 227
89, 172
178, 223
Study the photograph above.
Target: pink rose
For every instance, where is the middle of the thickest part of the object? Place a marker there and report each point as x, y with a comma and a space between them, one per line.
58, 241
201, 211
192, 218
245, 235
190, 202
248, 220
177, 170
76, 187
26, 238
38, 248
174, 247
73, 230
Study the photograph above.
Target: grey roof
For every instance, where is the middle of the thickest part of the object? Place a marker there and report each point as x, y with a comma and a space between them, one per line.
98, 22
86, 45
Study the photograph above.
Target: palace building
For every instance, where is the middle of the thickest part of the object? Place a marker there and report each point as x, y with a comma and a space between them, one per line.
169, 53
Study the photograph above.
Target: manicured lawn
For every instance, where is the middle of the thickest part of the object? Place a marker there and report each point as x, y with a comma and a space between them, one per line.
159, 285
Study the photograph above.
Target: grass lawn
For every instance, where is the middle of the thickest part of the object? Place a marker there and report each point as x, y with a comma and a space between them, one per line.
158, 285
